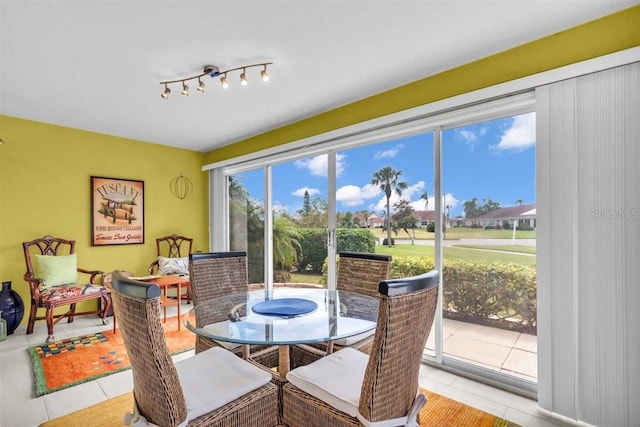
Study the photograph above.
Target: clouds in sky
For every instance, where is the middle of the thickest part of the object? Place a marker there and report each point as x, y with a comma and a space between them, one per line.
317, 165
520, 135
388, 154
352, 195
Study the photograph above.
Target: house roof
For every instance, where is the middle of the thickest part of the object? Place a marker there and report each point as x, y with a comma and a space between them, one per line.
512, 212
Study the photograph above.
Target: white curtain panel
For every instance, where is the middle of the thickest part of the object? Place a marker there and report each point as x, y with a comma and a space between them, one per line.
588, 155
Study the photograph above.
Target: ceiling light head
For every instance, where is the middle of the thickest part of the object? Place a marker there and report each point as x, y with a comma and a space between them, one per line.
185, 89
166, 92
243, 78
264, 75
200, 85
223, 81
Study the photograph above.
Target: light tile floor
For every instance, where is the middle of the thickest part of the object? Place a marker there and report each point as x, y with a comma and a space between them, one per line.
19, 408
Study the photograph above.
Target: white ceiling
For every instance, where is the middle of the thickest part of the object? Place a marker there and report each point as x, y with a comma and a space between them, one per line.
96, 64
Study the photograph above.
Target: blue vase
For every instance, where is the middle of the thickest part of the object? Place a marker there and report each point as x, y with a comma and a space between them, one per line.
11, 306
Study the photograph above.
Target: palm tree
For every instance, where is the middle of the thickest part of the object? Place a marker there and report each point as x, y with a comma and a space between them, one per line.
425, 196
520, 202
387, 179
286, 245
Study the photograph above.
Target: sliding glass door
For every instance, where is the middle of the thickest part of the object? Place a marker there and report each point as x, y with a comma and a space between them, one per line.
489, 245
454, 192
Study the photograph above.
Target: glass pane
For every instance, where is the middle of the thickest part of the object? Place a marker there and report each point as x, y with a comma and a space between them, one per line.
300, 220
489, 247
246, 220
405, 167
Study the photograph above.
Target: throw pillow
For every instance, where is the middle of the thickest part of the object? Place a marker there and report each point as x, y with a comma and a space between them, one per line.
56, 270
173, 265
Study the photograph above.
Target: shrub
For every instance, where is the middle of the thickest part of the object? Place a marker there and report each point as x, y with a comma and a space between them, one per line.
384, 242
313, 242
356, 240
501, 295
498, 294
314, 245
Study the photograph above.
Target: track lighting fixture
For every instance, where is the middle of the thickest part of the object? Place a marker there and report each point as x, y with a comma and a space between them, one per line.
166, 92
243, 78
214, 71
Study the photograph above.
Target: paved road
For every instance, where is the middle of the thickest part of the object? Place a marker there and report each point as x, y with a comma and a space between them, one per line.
499, 242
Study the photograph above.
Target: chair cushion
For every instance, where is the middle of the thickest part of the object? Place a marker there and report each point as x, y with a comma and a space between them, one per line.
335, 379
215, 377
355, 338
59, 293
56, 270
173, 265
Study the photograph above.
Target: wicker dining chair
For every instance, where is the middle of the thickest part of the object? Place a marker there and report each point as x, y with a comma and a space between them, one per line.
357, 272
213, 387
350, 388
213, 275
216, 274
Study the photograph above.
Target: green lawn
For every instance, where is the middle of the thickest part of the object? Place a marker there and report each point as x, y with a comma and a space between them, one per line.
305, 278
503, 248
457, 253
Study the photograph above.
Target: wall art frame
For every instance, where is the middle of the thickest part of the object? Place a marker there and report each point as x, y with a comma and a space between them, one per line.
117, 211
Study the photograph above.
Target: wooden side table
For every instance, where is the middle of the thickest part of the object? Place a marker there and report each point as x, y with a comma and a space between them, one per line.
164, 282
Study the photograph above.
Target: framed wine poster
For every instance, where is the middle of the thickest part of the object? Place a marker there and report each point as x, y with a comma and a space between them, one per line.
117, 211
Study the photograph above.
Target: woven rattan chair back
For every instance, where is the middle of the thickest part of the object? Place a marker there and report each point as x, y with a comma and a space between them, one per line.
214, 275
406, 313
362, 272
156, 386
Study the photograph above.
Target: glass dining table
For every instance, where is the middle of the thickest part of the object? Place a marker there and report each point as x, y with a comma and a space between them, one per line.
284, 317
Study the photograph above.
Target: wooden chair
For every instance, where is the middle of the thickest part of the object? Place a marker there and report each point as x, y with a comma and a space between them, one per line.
214, 387
172, 258
52, 274
172, 246
357, 272
350, 388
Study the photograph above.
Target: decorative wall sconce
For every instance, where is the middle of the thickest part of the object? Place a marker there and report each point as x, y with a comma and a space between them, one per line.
181, 186
214, 71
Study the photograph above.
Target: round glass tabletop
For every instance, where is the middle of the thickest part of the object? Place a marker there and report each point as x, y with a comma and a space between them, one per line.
292, 316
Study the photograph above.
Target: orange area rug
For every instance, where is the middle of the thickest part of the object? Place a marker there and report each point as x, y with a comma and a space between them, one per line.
73, 361
439, 411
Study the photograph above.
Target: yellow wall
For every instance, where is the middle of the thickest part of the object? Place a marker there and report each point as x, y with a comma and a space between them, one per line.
44, 189
610, 34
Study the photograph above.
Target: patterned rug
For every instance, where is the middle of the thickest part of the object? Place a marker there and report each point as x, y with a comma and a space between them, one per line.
73, 361
439, 411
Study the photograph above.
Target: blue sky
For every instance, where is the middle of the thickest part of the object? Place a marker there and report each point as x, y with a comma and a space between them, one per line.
494, 159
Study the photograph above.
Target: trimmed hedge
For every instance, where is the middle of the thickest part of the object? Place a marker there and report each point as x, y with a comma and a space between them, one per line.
501, 295
314, 245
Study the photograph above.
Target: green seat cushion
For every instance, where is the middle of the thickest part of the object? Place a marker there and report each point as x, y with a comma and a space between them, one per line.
57, 270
